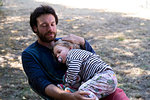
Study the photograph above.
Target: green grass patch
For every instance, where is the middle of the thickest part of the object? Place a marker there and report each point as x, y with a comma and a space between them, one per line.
127, 86
120, 38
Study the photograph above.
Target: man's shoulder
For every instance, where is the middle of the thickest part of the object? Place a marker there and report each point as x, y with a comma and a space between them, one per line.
31, 46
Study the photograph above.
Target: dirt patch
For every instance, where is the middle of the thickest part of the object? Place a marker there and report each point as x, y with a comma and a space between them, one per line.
120, 40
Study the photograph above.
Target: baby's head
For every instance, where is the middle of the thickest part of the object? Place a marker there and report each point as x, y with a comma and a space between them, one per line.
61, 49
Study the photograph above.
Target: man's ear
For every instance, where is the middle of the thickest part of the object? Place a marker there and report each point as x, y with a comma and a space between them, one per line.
35, 29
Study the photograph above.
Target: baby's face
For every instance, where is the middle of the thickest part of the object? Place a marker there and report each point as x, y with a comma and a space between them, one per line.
61, 52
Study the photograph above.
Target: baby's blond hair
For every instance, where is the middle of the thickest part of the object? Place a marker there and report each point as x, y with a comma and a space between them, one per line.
66, 44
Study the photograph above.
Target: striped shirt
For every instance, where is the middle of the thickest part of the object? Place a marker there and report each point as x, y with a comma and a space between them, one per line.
83, 63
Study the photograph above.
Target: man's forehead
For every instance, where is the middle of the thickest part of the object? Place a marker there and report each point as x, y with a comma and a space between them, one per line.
46, 18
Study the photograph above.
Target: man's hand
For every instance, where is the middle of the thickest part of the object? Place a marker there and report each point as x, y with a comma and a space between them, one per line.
58, 94
75, 39
79, 95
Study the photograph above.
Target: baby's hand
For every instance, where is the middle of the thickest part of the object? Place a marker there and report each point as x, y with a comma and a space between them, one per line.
61, 86
67, 85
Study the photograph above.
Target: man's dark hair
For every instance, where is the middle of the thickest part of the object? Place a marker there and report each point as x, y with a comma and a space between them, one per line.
43, 9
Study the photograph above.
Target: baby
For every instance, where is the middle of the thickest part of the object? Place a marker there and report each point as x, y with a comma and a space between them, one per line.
85, 70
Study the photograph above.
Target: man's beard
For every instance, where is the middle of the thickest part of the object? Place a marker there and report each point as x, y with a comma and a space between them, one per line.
43, 38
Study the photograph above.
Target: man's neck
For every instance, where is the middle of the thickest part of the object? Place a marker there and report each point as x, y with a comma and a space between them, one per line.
48, 45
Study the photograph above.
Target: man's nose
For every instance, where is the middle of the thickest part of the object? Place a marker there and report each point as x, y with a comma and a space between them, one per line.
50, 28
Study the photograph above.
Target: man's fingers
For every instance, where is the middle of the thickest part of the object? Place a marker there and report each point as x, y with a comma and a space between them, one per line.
69, 39
83, 93
74, 39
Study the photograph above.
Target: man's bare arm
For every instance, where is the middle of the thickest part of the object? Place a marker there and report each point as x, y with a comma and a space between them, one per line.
58, 94
75, 39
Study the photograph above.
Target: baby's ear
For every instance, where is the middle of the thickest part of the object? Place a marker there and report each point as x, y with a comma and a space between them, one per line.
71, 47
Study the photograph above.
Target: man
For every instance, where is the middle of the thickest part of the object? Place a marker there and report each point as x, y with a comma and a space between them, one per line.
40, 66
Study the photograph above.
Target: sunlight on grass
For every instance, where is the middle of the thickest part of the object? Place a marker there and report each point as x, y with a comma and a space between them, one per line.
14, 31
131, 43
134, 8
1, 27
136, 72
12, 19
13, 61
129, 31
117, 36
123, 52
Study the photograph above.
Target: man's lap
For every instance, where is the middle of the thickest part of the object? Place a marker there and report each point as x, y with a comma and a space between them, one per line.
117, 95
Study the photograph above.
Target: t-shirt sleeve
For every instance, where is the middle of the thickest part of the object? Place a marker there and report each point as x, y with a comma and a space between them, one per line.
88, 47
37, 79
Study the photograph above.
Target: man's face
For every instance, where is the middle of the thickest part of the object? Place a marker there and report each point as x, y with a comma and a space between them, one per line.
46, 28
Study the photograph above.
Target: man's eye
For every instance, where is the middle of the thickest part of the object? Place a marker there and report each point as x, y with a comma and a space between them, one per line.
53, 24
44, 25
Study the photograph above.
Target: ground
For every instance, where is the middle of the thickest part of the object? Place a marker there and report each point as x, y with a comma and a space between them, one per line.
121, 40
